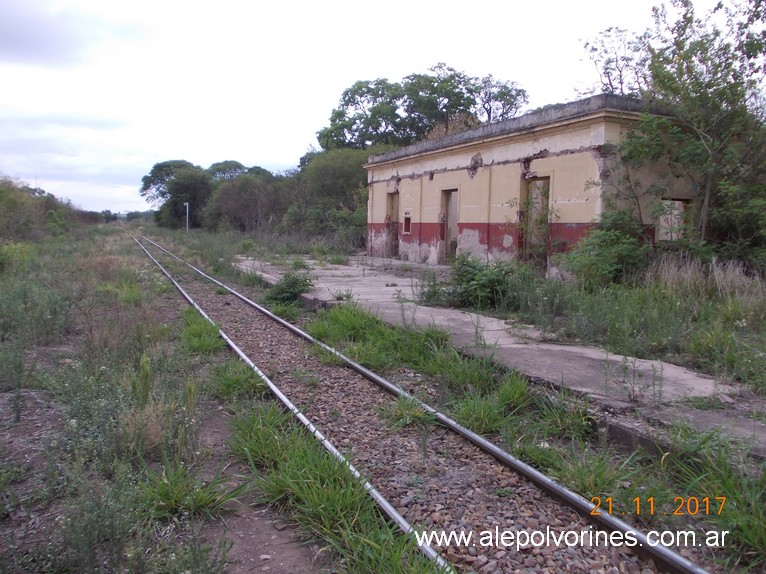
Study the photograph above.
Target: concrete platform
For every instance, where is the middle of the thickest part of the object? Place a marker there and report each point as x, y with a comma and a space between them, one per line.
636, 396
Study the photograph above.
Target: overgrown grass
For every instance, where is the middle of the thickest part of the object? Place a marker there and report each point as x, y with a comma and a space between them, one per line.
253, 279
261, 437
597, 473
235, 380
480, 414
200, 336
176, 492
709, 468
323, 496
704, 315
36, 300
555, 432
75, 322
287, 311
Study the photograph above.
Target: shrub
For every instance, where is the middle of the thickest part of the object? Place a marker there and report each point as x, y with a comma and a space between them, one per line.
609, 253
288, 289
246, 246
500, 285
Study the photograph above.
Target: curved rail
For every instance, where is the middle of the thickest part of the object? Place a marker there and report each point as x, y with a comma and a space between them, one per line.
669, 559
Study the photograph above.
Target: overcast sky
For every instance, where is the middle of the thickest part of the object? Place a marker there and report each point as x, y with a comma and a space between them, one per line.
95, 92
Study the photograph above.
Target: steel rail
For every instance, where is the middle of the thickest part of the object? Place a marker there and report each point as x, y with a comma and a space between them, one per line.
387, 508
669, 559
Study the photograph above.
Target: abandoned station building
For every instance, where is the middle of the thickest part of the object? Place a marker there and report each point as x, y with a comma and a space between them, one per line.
524, 187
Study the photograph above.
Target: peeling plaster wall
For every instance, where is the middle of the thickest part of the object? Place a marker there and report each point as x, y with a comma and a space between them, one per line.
469, 243
489, 168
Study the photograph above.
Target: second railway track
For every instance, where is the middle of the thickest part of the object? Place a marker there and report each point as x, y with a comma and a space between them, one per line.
437, 480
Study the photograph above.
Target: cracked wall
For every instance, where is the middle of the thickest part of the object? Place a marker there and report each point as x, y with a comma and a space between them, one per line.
489, 171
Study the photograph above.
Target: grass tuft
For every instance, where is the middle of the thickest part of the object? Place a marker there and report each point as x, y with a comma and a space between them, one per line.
325, 498
480, 414
406, 411
200, 337
259, 437
176, 492
598, 473
235, 380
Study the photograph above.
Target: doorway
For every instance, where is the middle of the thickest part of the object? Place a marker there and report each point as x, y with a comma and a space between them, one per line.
392, 224
448, 231
534, 219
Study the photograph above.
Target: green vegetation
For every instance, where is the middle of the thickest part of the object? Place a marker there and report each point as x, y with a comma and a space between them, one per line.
610, 253
375, 344
404, 412
480, 414
323, 202
176, 492
421, 106
295, 472
290, 287
200, 336
118, 400
672, 307
709, 468
288, 311
28, 213
235, 380
705, 75
556, 433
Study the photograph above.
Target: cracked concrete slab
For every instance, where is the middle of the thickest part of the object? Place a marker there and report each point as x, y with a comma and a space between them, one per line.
655, 391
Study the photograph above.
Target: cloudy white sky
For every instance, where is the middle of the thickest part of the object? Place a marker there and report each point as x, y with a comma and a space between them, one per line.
95, 92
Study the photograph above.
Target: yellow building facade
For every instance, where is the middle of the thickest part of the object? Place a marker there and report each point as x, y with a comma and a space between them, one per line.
525, 187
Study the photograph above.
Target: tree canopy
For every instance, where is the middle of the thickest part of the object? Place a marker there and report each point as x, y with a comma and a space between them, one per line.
192, 185
400, 113
707, 74
228, 169
154, 185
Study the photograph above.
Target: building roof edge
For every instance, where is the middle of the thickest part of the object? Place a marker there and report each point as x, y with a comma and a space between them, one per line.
536, 118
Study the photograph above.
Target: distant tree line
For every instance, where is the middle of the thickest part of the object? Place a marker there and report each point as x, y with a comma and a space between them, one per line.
30, 212
327, 193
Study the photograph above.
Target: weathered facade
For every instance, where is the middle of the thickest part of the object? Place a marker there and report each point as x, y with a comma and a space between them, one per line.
525, 187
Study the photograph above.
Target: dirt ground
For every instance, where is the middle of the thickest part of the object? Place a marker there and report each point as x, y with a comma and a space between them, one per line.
262, 540
26, 444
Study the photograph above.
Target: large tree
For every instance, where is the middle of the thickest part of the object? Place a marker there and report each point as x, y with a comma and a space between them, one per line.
154, 185
368, 113
245, 203
325, 191
434, 99
223, 170
707, 75
192, 185
621, 60
442, 100
497, 101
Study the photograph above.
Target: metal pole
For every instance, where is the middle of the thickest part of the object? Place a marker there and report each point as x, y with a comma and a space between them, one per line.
186, 203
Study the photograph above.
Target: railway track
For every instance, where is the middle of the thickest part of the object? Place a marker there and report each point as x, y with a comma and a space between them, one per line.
445, 479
